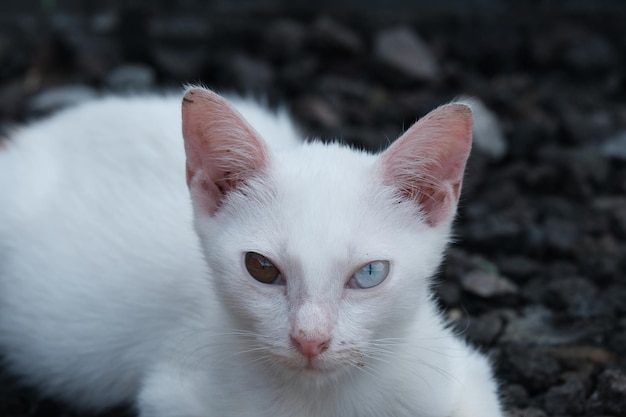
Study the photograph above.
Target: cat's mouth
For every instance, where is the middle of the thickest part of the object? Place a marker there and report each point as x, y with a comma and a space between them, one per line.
316, 366
312, 365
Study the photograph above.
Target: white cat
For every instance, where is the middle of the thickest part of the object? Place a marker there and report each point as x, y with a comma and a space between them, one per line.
306, 294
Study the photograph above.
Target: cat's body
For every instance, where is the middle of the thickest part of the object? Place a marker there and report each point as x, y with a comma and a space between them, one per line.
106, 297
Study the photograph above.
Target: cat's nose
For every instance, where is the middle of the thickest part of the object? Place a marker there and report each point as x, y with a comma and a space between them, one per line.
310, 347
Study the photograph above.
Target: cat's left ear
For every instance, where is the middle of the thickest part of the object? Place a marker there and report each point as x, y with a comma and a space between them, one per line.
426, 163
222, 149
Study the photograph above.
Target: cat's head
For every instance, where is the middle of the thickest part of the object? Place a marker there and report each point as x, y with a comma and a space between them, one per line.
321, 254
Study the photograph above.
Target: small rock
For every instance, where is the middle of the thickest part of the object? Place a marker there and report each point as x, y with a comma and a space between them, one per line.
327, 35
493, 229
560, 234
535, 327
584, 354
576, 167
344, 86
57, 98
526, 412
298, 75
518, 267
400, 52
487, 132
448, 292
12, 98
250, 74
615, 147
590, 54
284, 39
104, 23
486, 284
515, 395
610, 394
525, 136
131, 77
180, 28
368, 138
617, 337
580, 127
576, 295
567, 398
181, 62
317, 112
532, 367
484, 330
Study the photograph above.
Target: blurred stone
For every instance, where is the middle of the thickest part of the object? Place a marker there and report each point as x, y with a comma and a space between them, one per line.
533, 367
14, 56
576, 295
131, 77
615, 208
366, 137
515, 395
297, 76
610, 394
401, 53
104, 22
585, 354
284, 39
12, 97
577, 125
57, 98
591, 53
518, 266
577, 165
179, 62
484, 330
525, 136
526, 412
574, 48
615, 147
535, 326
316, 111
344, 86
250, 74
560, 234
493, 229
448, 292
188, 28
487, 133
567, 398
327, 35
486, 284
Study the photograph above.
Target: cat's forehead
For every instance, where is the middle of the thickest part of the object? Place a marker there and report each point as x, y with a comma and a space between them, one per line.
328, 178
333, 166
325, 196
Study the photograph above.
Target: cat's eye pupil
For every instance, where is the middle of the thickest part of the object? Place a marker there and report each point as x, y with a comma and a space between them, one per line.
370, 275
261, 268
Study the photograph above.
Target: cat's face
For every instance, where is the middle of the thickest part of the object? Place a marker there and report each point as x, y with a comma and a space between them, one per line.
321, 273
320, 254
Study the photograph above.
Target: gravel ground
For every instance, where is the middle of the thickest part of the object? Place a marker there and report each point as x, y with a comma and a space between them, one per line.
538, 274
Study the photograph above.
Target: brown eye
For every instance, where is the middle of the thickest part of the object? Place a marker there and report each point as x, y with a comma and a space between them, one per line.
262, 269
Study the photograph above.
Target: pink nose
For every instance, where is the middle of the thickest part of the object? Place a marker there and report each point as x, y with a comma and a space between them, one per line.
310, 347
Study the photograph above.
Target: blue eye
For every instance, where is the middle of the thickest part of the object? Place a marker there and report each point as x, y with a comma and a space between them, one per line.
370, 275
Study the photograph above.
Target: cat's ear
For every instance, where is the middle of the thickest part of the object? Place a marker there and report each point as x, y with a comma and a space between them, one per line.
427, 162
222, 149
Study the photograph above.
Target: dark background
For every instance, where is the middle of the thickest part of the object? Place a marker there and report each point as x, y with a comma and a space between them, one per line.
538, 274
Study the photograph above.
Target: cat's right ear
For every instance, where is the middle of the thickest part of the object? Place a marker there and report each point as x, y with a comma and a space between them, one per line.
426, 163
222, 149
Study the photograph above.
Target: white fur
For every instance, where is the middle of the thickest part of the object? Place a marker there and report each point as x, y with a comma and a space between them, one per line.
105, 295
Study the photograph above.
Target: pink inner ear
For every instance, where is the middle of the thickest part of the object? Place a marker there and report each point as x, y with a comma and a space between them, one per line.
427, 162
222, 148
